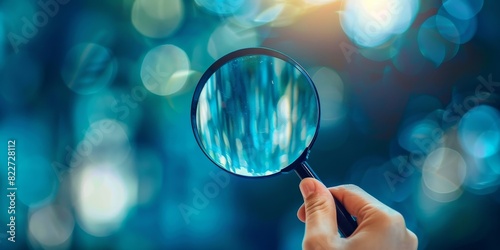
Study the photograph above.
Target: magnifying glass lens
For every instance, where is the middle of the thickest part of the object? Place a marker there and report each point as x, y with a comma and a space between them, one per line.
256, 114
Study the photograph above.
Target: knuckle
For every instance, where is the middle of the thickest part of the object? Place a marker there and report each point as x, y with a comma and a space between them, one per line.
387, 219
397, 219
388, 216
316, 205
375, 211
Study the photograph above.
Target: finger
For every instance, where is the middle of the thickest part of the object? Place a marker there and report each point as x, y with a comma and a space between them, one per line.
413, 240
320, 214
358, 202
301, 213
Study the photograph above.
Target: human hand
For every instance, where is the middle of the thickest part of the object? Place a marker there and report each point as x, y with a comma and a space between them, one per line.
379, 226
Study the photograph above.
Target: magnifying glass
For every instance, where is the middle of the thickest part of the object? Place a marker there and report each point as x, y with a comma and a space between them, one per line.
255, 113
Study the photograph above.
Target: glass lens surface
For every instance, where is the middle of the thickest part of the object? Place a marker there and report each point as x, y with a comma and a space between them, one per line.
256, 114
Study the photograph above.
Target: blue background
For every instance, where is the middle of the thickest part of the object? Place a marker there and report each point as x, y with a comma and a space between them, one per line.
97, 95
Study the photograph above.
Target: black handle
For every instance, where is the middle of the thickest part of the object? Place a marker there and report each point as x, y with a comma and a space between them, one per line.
347, 224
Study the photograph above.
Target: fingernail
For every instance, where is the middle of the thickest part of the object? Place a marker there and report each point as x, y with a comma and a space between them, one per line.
307, 187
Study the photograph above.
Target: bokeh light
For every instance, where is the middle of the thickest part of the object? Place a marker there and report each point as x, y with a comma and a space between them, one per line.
270, 14
254, 14
420, 136
88, 68
245, 16
447, 29
105, 141
479, 136
463, 9
372, 23
229, 37
466, 28
157, 18
165, 69
179, 103
221, 7
493, 162
481, 178
102, 197
443, 174
479, 131
51, 226
433, 45
119, 104
330, 89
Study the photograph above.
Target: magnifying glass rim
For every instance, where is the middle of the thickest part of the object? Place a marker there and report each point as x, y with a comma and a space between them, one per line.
230, 57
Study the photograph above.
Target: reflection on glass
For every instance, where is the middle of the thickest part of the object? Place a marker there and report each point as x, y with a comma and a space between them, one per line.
256, 114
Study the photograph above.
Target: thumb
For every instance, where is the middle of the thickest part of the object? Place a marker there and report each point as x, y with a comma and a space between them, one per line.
319, 209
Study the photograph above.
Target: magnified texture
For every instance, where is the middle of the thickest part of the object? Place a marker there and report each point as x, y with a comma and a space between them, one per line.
256, 114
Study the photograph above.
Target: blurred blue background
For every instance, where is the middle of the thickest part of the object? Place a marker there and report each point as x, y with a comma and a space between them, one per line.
106, 159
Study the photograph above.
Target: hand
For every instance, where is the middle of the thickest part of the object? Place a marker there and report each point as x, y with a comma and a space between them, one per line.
379, 226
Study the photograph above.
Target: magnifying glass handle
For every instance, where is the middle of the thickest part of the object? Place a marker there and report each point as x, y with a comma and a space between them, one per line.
347, 224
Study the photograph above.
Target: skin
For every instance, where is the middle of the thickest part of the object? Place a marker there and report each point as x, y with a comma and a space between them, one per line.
379, 226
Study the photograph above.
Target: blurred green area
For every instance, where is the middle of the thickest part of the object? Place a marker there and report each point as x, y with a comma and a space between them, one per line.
97, 96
